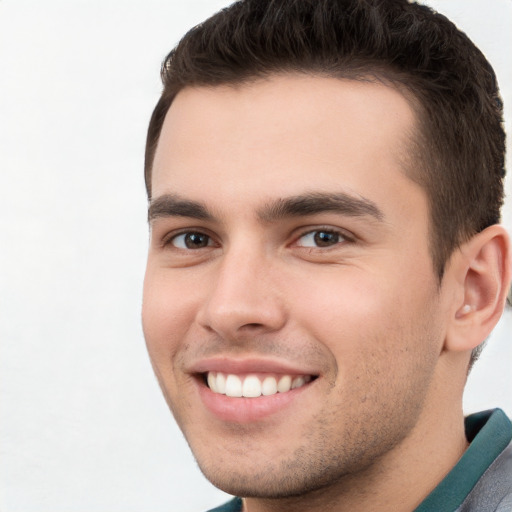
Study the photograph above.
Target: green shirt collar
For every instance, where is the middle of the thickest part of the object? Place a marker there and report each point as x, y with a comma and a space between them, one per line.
489, 433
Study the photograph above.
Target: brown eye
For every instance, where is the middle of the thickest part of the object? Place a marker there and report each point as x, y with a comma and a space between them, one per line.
320, 238
326, 238
191, 240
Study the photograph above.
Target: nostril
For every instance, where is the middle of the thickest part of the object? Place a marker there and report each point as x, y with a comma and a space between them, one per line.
233, 316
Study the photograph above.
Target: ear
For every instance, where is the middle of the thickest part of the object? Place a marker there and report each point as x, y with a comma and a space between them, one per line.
481, 271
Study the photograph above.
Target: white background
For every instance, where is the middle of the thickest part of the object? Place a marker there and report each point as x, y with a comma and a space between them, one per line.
83, 425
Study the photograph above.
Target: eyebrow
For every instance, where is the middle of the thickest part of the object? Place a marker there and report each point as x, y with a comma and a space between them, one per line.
319, 202
311, 203
171, 205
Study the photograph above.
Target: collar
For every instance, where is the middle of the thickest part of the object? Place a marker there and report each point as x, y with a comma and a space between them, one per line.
489, 433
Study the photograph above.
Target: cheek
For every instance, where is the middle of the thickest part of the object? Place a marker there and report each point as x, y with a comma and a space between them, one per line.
166, 318
167, 314
353, 311
383, 337
341, 304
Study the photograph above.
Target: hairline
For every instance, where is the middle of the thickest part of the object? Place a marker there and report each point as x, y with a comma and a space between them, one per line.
371, 73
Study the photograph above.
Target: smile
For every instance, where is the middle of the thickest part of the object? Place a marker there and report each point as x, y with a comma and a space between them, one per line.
253, 386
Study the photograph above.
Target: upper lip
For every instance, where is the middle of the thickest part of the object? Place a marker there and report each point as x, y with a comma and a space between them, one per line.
248, 365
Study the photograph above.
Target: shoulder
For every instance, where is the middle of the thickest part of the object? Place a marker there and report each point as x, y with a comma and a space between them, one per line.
493, 492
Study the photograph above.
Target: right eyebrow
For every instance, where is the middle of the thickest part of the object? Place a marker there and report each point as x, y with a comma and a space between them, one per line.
312, 203
172, 205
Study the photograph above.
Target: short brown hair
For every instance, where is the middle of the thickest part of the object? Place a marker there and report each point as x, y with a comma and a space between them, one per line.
459, 153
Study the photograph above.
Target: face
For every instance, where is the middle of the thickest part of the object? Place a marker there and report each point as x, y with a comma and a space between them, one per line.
291, 310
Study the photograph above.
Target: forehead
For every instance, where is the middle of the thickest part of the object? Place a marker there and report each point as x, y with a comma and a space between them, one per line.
282, 135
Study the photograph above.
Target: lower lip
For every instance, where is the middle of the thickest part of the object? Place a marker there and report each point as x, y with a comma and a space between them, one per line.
247, 410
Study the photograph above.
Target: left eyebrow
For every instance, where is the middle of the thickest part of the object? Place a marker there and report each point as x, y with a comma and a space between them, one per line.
172, 205
319, 202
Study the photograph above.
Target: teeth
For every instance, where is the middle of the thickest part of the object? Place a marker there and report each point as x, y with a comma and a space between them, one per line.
252, 386
233, 386
298, 382
212, 383
284, 384
269, 386
221, 383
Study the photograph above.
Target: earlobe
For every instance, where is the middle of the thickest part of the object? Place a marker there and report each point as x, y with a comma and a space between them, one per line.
483, 269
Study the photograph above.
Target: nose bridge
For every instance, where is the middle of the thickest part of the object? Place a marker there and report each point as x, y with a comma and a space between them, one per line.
243, 294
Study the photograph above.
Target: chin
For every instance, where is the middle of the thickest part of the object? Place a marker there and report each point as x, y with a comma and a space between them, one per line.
291, 478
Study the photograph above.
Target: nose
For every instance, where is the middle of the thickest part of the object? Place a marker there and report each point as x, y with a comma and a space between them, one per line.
244, 297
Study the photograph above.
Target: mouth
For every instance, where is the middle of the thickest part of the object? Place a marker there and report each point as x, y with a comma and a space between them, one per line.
252, 390
253, 385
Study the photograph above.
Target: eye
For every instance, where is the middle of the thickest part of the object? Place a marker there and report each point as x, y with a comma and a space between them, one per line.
191, 240
320, 238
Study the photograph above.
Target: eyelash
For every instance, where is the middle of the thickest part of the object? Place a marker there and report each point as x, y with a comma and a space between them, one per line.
168, 240
345, 238
341, 235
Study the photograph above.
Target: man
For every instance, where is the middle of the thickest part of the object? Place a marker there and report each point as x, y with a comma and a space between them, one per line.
325, 179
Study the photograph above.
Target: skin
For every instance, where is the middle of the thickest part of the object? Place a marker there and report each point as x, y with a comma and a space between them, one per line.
382, 422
